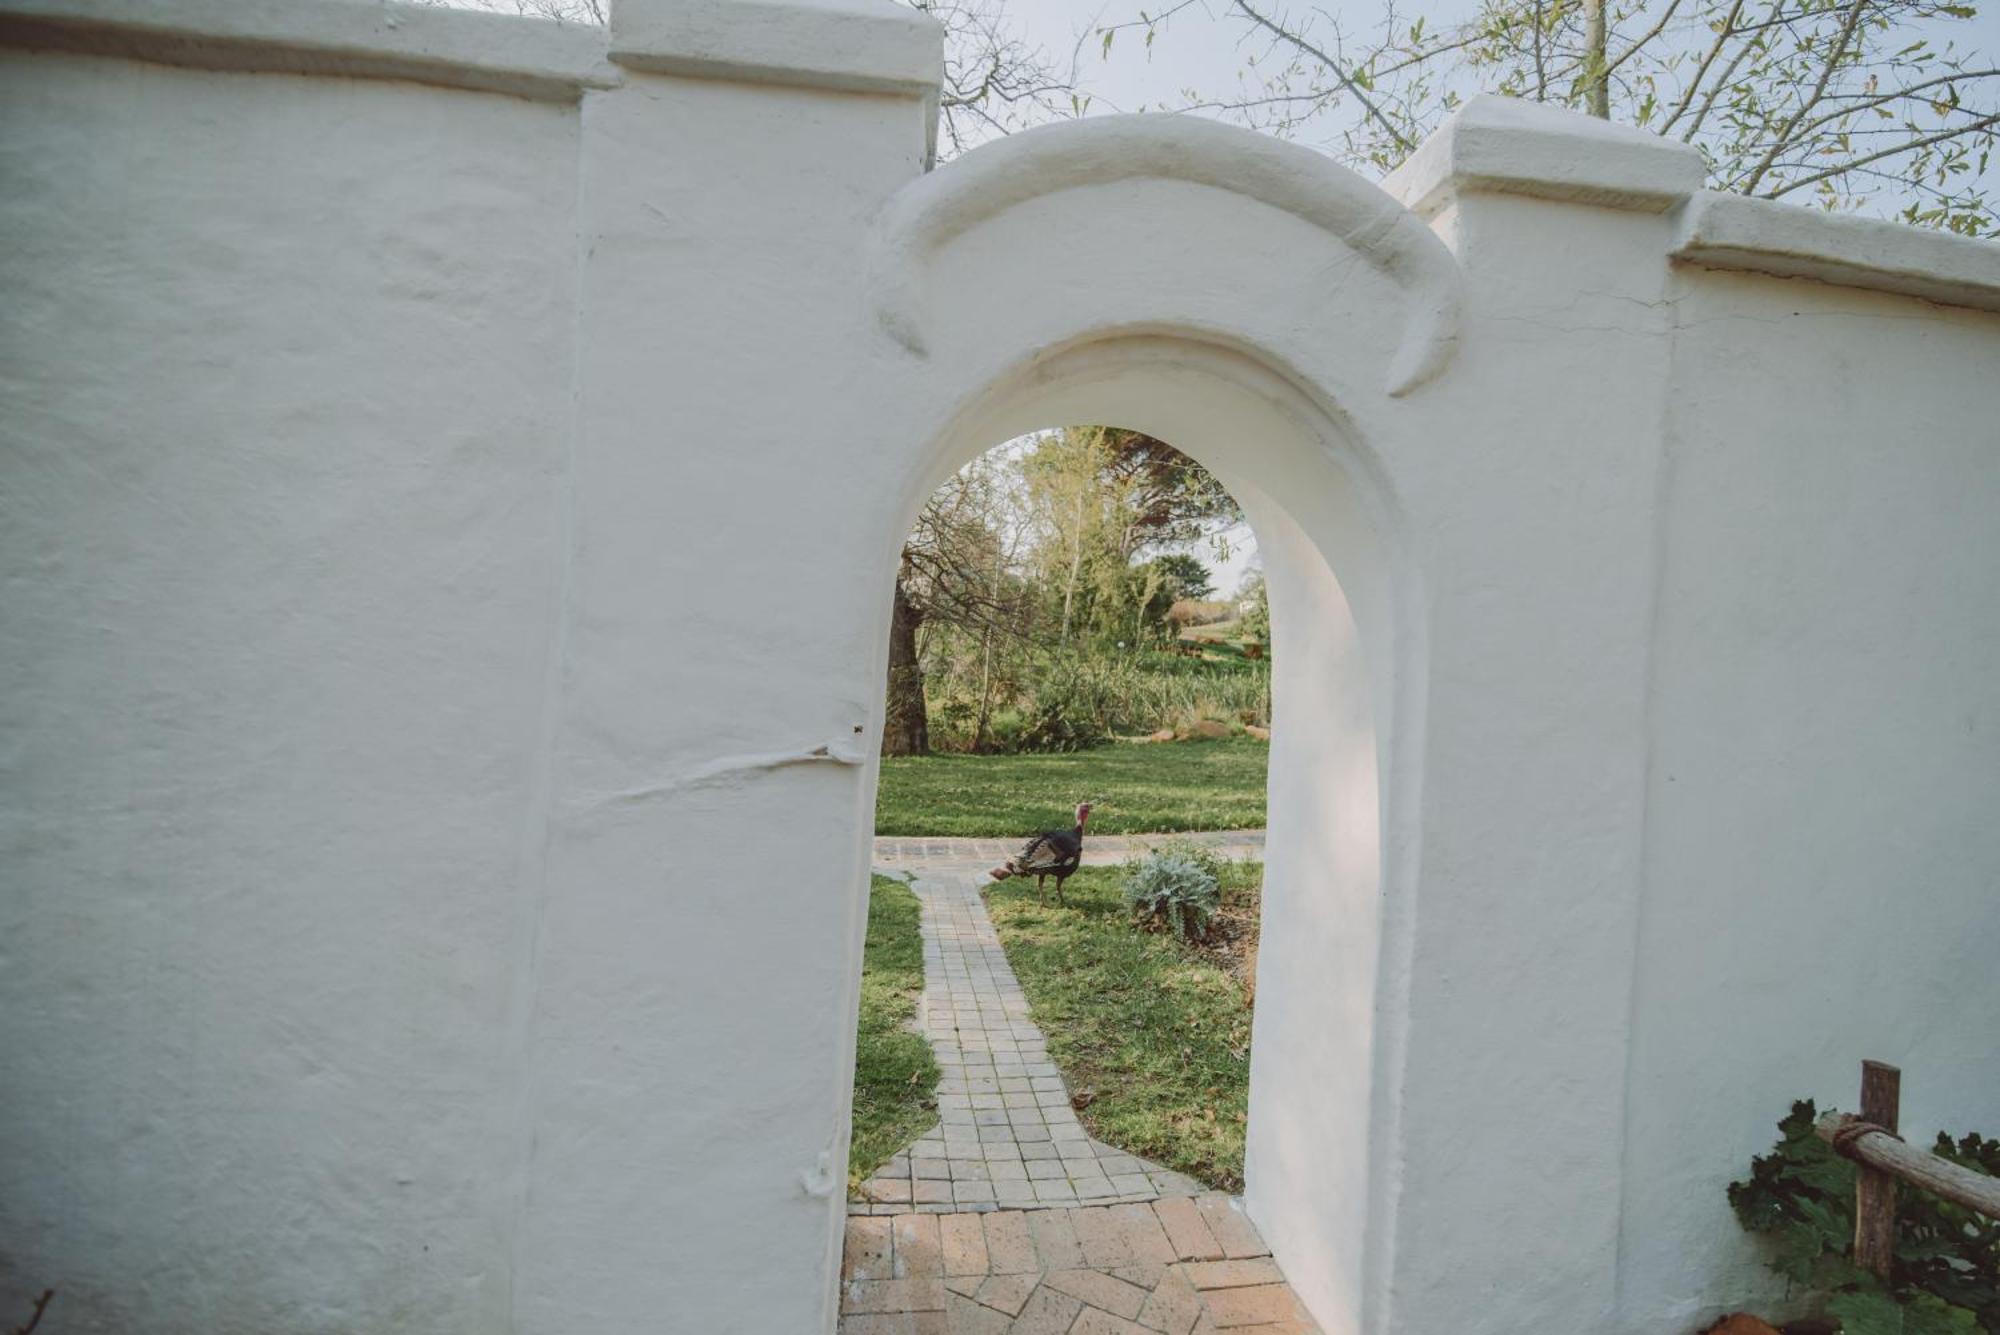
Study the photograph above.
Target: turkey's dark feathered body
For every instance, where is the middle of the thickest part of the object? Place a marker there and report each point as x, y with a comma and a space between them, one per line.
1056, 853
1050, 853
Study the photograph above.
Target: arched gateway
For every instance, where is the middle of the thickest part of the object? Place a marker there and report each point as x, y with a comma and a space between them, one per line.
1263, 309
456, 467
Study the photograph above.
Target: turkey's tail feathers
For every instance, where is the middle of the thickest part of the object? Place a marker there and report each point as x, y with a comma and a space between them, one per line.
1001, 873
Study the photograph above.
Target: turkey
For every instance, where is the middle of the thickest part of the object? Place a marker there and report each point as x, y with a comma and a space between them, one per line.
1055, 853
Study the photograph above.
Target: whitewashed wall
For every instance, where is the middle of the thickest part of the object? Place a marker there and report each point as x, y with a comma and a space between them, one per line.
287, 369
453, 468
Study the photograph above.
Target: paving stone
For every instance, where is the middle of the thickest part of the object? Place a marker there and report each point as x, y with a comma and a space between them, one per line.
899, 1323
918, 1252
1096, 1321
925, 1192
1009, 1248
1262, 1305
867, 1253
1232, 1274
1231, 1229
1173, 1306
1047, 1313
1102, 1240
962, 1243
1143, 1233
893, 1296
1099, 1290
1008, 1293
1187, 1231
1055, 1240
963, 1316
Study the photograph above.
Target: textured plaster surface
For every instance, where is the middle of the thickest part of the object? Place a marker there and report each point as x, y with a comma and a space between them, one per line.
282, 459
343, 38
445, 578
856, 45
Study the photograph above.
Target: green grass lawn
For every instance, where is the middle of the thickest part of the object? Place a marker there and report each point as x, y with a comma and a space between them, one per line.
895, 1075
1139, 789
1152, 1036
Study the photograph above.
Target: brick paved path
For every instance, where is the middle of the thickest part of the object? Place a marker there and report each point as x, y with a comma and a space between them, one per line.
897, 853
1007, 1216
1006, 1133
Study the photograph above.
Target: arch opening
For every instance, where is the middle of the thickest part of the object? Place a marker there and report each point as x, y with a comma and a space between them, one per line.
1327, 1017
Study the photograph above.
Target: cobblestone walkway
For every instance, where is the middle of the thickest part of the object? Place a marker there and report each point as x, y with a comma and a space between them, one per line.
1006, 1133
1007, 1217
896, 853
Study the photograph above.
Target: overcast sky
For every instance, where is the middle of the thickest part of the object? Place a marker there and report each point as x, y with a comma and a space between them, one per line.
1204, 50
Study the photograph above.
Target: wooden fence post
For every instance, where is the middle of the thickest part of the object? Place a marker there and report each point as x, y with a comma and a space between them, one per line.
1875, 1190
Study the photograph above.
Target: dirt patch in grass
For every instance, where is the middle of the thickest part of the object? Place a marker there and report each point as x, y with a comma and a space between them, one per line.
1231, 940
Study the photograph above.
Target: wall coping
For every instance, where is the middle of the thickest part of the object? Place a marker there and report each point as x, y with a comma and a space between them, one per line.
1509, 145
867, 46
1719, 231
1491, 144
872, 46
451, 48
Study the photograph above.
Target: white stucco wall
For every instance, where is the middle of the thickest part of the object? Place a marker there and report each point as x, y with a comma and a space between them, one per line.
454, 468
1825, 718
287, 367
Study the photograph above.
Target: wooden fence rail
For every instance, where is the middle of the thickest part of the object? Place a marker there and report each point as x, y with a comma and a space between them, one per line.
1886, 1159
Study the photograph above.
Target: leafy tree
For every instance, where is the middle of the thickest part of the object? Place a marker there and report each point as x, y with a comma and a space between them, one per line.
1186, 575
1842, 103
1257, 620
1100, 497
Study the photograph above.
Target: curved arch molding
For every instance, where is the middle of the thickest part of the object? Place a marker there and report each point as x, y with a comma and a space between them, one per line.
925, 215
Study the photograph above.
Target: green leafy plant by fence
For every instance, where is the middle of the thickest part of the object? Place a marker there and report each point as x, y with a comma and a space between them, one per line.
1946, 1277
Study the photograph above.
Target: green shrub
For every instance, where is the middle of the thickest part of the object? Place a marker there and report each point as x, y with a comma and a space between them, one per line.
1945, 1278
1065, 701
1070, 710
1175, 886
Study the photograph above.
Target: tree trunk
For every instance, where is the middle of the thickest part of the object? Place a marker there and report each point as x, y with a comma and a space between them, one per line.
1075, 565
906, 726
1596, 88
985, 691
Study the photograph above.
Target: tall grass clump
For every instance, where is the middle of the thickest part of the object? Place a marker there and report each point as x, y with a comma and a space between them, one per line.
1067, 702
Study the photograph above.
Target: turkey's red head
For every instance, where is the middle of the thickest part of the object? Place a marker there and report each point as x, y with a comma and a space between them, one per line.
1082, 813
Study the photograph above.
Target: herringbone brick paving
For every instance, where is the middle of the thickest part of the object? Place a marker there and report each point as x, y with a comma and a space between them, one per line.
1006, 1216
